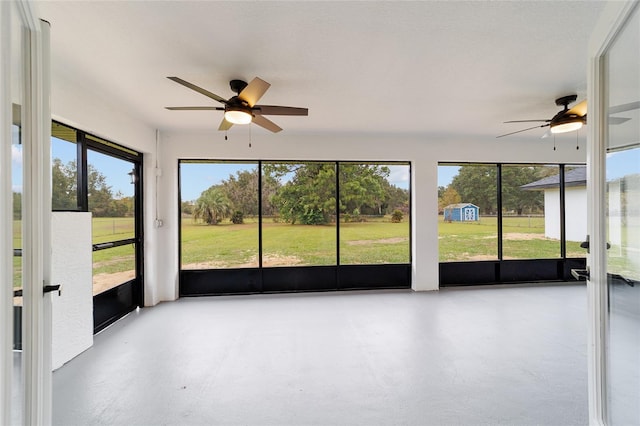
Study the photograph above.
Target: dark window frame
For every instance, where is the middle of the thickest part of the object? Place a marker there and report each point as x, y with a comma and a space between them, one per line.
292, 279
500, 271
113, 304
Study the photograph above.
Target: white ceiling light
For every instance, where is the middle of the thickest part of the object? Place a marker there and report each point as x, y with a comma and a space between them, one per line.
237, 116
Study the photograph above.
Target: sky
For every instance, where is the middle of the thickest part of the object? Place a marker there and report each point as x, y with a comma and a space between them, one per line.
115, 170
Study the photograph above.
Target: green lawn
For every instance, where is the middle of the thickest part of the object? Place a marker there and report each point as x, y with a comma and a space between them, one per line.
523, 238
229, 245
375, 241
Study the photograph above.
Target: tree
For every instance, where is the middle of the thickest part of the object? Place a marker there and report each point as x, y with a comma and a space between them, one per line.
309, 196
362, 187
64, 185
212, 206
17, 205
477, 185
515, 198
449, 196
100, 195
242, 191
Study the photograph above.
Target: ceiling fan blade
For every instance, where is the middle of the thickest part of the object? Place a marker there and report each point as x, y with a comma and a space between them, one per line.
225, 125
528, 121
198, 89
266, 123
254, 91
618, 120
195, 108
520, 131
624, 107
280, 110
580, 109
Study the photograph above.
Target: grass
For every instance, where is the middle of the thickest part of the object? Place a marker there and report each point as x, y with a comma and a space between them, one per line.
373, 242
523, 238
229, 245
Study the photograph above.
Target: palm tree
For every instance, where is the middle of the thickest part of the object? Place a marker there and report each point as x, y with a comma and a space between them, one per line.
212, 206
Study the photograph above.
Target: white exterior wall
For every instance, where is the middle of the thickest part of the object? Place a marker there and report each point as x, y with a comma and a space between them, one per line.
575, 213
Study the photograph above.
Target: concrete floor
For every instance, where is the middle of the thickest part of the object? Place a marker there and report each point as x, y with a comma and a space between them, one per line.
473, 356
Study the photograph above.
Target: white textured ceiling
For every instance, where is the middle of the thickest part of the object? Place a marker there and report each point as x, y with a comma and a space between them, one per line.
433, 68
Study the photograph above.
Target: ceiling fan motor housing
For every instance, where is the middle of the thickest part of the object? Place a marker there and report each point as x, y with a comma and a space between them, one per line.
237, 85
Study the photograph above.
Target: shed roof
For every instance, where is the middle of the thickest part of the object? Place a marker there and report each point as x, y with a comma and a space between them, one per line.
459, 205
574, 177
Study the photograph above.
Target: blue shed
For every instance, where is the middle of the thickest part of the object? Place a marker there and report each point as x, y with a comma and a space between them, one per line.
461, 212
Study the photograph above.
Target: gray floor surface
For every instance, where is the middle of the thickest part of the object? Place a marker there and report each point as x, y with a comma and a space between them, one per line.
473, 356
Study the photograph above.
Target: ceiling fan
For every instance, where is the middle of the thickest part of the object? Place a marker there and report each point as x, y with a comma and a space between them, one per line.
242, 108
566, 120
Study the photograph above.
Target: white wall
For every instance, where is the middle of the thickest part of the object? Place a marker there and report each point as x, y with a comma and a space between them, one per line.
71, 267
79, 107
423, 152
575, 213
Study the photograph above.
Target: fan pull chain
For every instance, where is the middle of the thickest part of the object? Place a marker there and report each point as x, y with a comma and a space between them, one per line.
577, 146
225, 136
554, 141
250, 127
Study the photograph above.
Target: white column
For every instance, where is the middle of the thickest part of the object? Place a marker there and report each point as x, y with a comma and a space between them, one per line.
36, 219
6, 222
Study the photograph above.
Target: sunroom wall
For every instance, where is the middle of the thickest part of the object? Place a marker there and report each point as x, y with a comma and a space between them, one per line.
422, 151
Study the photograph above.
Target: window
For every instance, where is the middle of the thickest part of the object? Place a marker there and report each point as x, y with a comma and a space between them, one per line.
219, 212
301, 199
374, 212
339, 220
510, 222
530, 211
64, 167
468, 212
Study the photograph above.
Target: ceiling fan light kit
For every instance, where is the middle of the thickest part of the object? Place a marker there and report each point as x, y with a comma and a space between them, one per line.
566, 124
567, 120
242, 108
237, 116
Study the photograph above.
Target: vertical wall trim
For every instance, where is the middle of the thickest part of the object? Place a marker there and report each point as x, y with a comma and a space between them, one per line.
36, 126
611, 22
6, 215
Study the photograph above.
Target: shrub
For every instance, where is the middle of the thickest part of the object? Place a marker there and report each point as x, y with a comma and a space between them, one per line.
237, 217
396, 216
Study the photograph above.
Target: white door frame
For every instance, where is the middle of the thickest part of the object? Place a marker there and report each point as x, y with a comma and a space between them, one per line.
36, 208
611, 22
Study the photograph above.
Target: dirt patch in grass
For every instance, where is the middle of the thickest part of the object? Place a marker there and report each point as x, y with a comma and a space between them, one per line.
267, 260
394, 240
522, 236
105, 281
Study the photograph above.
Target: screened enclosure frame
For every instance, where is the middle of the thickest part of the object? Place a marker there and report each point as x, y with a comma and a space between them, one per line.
116, 302
270, 279
501, 270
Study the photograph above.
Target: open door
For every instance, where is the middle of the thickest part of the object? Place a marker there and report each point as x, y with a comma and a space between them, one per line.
25, 377
614, 217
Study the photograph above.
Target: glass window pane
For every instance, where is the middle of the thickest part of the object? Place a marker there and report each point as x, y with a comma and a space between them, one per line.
575, 204
111, 197
374, 213
219, 211
299, 213
16, 184
64, 178
467, 203
530, 211
112, 267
